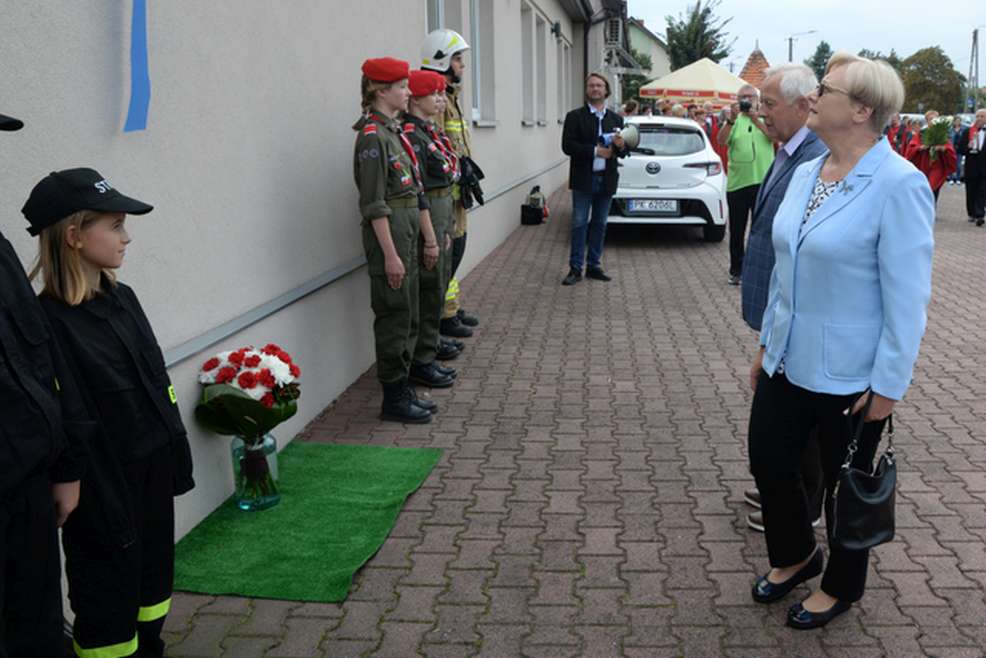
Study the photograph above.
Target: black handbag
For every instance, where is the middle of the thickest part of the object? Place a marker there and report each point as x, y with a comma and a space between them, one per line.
863, 503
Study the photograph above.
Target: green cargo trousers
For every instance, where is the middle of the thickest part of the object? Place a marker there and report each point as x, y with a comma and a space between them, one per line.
432, 283
395, 324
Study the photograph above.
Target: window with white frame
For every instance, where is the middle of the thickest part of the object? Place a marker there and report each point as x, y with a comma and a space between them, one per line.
527, 62
444, 13
435, 14
481, 61
541, 89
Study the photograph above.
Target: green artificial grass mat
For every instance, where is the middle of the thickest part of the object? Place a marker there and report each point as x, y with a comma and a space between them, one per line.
338, 504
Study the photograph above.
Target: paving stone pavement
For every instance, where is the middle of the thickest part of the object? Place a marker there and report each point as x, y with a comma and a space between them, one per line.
589, 501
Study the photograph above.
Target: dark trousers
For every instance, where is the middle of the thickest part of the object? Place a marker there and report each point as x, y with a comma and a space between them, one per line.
740, 204
975, 196
121, 595
30, 573
781, 421
433, 283
812, 475
458, 250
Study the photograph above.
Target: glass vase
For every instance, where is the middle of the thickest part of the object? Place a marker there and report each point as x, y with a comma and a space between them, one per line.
255, 472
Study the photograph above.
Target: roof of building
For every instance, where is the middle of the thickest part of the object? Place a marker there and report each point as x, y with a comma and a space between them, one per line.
639, 24
753, 70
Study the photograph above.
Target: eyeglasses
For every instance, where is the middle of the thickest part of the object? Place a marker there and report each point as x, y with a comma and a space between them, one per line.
824, 88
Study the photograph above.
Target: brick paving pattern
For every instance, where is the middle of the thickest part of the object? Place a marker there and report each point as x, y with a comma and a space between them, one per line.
589, 501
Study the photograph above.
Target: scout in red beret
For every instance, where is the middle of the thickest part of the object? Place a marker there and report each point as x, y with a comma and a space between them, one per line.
386, 69
425, 83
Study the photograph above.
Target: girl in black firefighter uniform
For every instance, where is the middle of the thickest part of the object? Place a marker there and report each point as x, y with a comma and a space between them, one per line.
119, 544
43, 432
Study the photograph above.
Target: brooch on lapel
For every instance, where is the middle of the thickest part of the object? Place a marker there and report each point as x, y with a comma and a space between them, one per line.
846, 189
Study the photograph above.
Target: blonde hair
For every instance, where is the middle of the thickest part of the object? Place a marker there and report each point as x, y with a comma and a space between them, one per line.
368, 96
60, 266
872, 82
678, 110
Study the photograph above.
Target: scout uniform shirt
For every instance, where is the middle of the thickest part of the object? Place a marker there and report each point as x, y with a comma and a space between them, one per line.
384, 168
43, 421
437, 160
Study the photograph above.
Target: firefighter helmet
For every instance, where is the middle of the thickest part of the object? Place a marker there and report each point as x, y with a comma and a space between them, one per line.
439, 47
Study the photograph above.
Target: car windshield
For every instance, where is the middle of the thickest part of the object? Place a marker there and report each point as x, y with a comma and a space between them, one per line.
669, 140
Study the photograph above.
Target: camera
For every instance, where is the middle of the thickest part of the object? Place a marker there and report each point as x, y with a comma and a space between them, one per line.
745, 106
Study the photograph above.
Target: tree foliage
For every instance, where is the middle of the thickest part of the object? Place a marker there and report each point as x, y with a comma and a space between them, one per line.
893, 58
632, 83
696, 34
818, 61
931, 82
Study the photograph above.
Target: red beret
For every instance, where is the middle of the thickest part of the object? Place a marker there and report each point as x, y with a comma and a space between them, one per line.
385, 69
423, 83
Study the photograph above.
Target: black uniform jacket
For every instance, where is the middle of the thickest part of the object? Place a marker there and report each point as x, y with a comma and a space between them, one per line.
43, 421
975, 163
110, 347
579, 139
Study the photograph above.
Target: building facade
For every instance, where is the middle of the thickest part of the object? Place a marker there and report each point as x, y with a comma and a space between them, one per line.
643, 41
247, 158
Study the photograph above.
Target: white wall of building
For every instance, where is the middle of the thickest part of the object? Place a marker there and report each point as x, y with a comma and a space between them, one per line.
645, 43
247, 159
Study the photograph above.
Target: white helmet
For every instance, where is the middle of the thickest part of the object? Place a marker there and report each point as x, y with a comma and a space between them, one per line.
439, 47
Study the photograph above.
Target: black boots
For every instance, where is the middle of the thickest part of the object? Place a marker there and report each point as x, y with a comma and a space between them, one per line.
399, 405
447, 350
466, 319
427, 374
454, 327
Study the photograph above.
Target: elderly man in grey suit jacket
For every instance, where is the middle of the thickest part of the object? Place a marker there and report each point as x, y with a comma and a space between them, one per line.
784, 109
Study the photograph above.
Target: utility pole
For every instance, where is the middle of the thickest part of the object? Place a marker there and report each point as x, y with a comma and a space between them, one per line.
790, 43
973, 72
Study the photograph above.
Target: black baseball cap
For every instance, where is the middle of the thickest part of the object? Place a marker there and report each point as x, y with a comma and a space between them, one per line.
61, 193
10, 123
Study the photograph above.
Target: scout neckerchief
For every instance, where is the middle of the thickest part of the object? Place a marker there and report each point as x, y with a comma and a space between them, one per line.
451, 162
405, 144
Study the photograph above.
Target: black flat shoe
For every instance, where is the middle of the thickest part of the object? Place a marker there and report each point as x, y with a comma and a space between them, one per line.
765, 591
802, 620
597, 274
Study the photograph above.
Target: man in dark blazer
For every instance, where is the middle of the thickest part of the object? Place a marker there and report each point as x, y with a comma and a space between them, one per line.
972, 144
784, 109
591, 139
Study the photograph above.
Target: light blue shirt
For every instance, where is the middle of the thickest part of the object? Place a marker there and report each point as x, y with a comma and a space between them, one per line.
787, 150
599, 164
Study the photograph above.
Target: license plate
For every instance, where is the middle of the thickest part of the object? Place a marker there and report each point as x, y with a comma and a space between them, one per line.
653, 205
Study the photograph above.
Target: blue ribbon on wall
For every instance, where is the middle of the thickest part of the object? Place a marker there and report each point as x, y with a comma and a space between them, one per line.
140, 79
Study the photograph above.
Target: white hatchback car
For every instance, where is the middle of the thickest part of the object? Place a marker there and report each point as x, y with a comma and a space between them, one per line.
674, 176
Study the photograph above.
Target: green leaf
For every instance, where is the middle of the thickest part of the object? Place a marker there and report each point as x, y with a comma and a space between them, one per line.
225, 409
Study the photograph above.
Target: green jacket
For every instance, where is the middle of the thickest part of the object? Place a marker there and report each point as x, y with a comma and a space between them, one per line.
436, 164
383, 169
750, 155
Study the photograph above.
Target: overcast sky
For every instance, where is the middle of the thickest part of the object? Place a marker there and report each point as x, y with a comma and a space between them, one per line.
845, 24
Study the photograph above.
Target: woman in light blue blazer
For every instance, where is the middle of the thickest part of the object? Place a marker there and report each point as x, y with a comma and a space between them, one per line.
846, 311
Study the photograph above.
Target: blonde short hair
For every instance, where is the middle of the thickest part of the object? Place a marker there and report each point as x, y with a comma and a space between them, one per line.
678, 110
872, 82
60, 266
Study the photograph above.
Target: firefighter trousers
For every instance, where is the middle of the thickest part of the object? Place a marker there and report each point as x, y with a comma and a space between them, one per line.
121, 595
30, 573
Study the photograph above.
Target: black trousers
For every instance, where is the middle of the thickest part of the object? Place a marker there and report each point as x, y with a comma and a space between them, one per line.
458, 250
121, 595
781, 420
30, 573
975, 196
740, 204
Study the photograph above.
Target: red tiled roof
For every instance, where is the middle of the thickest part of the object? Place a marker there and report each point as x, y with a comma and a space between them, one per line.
753, 71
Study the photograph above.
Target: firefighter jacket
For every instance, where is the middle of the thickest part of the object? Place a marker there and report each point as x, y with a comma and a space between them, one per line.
43, 421
454, 124
110, 347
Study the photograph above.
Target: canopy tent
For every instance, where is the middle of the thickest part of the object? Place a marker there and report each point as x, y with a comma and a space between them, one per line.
698, 82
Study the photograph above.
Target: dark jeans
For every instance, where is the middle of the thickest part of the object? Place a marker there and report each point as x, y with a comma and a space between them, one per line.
598, 203
781, 421
30, 573
740, 204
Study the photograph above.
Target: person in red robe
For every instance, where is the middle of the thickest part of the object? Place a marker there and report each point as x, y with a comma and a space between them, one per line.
938, 170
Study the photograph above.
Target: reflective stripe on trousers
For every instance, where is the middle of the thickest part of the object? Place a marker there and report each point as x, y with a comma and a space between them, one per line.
112, 651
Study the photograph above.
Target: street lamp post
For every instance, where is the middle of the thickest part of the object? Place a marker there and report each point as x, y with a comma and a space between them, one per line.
790, 43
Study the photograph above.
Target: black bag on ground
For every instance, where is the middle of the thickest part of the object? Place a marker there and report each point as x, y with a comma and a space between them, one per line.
535, 211
863, 503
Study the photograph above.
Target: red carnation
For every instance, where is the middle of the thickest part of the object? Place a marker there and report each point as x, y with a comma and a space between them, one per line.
211, 364
225, 375
252, 361
271, 348
284, 356
295, 370
237, 357
266, 379
267, 400
247, 380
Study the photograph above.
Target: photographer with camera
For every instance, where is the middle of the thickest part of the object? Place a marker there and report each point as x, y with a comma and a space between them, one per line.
751, 152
